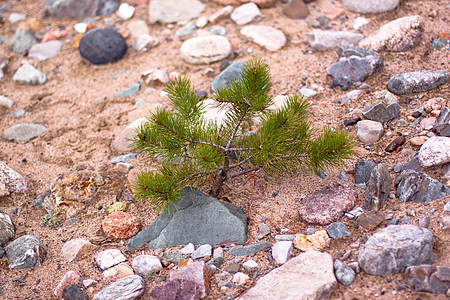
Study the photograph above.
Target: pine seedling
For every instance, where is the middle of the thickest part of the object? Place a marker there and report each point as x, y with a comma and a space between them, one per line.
197, 152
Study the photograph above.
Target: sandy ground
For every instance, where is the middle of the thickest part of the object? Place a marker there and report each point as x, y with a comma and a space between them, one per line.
82, 118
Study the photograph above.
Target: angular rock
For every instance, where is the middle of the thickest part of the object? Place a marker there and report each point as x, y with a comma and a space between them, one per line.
399, 35
240, 278
344, 273
129, 91
354, 69
435, 151
250, 265
363, 170
76, 249
250, 249
73, 292
323, 40
306, 276
174, 11
381, 113
102, 45
144, 43
11, 181
202, 251
328, 204
370, 220
281, 251
427, 278
231, 73
6, 228
77, 9
188, 249
117, 206
121, 225
416, 186
176, 289
46, 50
378, 188
71, 277
144, 264
196, 272
396, 247
127, 288
25, 252
418, 81
109, 258
205, 49
199, 219
27, 74
442, 130
263, 230
23, 132
22, 41
368, 131
371, 7
155, 77
246, 13
267, 37
338, 230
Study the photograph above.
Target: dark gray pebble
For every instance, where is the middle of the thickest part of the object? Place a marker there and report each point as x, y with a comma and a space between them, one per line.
102, 45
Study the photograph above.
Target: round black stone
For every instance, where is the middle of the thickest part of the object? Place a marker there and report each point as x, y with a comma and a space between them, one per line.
102, 45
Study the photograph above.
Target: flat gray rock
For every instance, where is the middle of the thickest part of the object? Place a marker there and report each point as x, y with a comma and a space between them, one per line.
363, 169
416, 186
381, 113
22, 41
231, 73
199, 219
25, 252
395, 248
174, 11
23, 132
250, 249
127, 288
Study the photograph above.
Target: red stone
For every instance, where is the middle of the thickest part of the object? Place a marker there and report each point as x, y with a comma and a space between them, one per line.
328, 204
121, 225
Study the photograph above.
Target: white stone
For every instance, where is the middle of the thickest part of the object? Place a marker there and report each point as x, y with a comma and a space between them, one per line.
360, 22
307, 93
246, 13
435, 151
202, 251
80, 27
144, 42
281, 251
369, 131
325, 39
267, 37
137, 28
122, 141
46, 50
221, 13
307, 276
250, 265
370, 7
172, 11
240, 278
188, 249
127, 288
27, 74
125, 11
109, 258
213, 113
201, 22
205, 49
144, 264
23, 132
155, 76
6, 102
16, 17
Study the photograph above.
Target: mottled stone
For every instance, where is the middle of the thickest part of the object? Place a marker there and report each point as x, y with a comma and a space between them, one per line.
22, 41
127, 288
417, 81
144, 264
267, 37
381, 113
399, 35
71, 277
395, 248
344, 273
117, 206
102, 45
328, 204
395, 144
109, 258
121, 225
196, 272
11, 181
306, 276
428, 278
378, 188
370, 220
73, 292
363, 169
205, 49
6, 228
416, 186
317, 241
25, 252
338, 230
435, 151
76, 249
